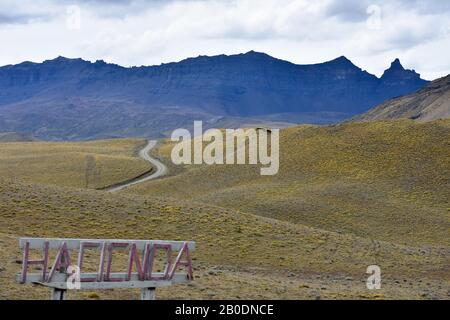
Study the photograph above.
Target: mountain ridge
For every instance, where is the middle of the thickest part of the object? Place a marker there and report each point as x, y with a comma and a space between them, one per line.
37, 97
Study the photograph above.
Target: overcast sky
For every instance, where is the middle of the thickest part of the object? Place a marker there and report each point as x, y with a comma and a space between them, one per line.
370, 33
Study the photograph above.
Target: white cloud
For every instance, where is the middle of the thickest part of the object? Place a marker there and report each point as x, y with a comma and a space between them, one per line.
150, 32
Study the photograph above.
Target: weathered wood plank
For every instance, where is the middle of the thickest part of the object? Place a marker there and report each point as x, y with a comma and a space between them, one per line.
59, 281
55, 243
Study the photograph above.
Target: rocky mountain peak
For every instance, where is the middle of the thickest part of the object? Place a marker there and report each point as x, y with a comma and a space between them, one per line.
342, 62
396, 65
396, 71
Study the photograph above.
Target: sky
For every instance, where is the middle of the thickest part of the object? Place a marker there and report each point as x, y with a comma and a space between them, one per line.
137, 32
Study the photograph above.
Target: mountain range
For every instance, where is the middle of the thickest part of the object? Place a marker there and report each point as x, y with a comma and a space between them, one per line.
74, 99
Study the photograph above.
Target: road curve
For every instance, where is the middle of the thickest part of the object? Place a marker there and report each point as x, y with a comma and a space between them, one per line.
160, 169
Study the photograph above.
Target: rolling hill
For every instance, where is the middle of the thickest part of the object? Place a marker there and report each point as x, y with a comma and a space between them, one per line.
429, 103
238, 256
92, 164
347, 196
374, 179
73, 99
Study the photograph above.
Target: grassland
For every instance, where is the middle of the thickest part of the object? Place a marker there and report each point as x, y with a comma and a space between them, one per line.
387, 181
247, 252
93, 165
346, 197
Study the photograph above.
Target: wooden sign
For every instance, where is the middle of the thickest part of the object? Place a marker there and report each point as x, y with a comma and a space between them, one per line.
63, 272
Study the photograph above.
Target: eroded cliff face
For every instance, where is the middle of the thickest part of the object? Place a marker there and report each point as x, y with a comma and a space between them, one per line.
397, 81
62, 96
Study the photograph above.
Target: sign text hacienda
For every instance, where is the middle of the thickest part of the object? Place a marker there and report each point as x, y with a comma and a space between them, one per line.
63, 269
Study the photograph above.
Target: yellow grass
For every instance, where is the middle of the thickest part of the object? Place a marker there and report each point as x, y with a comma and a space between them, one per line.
381, 180
264, 251
93, 164
346, 197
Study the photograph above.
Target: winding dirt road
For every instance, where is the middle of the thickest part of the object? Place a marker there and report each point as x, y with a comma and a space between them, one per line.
159, 169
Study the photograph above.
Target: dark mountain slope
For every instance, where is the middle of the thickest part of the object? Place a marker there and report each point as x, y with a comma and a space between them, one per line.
15, 137
430, 103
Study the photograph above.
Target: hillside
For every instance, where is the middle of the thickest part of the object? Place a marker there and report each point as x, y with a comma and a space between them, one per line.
15, 137
238, 255
374, 180
94, 164
429, 103
76, 99
347, 196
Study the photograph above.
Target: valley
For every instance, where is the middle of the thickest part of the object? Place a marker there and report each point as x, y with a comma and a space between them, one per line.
157, 170
347, 196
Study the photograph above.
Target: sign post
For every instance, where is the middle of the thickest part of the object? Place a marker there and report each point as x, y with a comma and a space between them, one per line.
148, 294
141, 255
